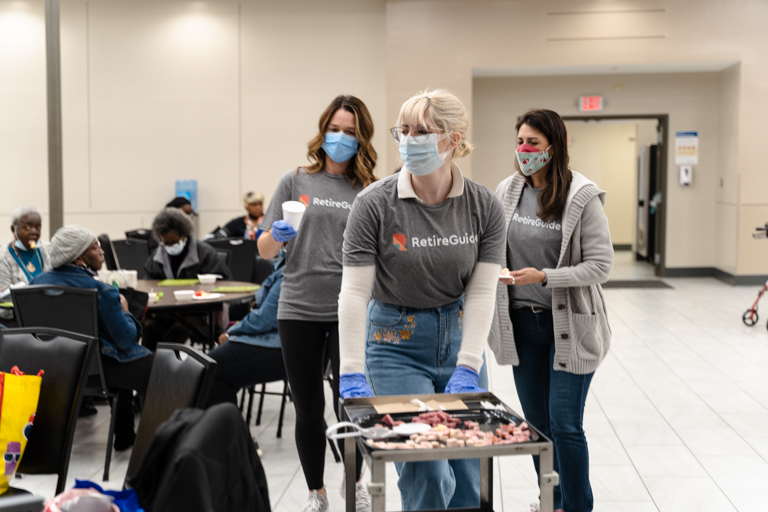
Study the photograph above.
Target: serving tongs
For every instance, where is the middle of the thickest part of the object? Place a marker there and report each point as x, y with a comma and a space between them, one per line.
406, 430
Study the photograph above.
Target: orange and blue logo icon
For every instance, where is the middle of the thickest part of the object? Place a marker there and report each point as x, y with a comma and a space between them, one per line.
400, 241
304, 199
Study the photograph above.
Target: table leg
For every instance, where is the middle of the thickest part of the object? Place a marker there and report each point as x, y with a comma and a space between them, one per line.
349, 472
486, 483
548, 480
378, 486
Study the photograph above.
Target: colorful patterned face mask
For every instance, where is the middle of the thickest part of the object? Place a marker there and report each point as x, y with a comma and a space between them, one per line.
531, 160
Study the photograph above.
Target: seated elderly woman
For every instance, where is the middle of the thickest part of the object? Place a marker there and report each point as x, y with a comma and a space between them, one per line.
248, 226
25, 257
76, 257
179, 256
249, 352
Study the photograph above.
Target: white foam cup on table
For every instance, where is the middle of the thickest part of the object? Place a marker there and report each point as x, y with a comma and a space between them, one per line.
207, 278
184, 295
293, 211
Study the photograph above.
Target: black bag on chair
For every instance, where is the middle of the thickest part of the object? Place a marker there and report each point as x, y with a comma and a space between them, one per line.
137, 302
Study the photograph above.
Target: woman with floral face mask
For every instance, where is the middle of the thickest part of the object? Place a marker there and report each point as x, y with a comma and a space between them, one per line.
551, 323
426, 244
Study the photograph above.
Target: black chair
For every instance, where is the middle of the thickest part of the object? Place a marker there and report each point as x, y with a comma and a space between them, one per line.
243, 252
75, 310
65, 357
225, 257
261, 269
285, 395
174, 383
132, 255
109, 253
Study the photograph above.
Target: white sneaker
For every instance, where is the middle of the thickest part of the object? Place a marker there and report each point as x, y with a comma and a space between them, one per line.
362, 499
315, 503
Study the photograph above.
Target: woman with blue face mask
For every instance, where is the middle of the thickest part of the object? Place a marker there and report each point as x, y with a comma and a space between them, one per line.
426, 244
180, 255
25, 257
551, 323
342, 160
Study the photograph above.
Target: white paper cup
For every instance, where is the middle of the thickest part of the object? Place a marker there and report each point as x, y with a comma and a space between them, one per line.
184, 295
293, 211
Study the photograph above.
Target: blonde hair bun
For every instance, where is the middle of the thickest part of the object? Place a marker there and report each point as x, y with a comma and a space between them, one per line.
445, 110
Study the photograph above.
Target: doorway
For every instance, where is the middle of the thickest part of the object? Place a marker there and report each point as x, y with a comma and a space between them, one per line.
626, 157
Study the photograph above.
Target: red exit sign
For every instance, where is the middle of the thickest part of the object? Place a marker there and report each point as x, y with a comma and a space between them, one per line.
590, 103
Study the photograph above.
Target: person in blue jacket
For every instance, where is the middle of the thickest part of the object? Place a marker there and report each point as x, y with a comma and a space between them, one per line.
76, 256
249, 352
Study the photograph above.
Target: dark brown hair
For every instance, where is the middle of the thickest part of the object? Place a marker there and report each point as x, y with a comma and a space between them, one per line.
365, 160
554, 196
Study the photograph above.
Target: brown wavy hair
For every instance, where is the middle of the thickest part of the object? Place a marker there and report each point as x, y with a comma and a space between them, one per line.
361, 169
554, 196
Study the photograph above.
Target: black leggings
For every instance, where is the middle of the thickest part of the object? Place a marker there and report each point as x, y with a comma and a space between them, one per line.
306, 348
241, 365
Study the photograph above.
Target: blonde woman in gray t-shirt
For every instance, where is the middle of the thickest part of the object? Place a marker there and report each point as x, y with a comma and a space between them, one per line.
550, 321
342, 162
425, 244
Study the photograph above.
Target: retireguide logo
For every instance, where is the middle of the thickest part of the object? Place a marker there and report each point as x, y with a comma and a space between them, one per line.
401, 241
535, 222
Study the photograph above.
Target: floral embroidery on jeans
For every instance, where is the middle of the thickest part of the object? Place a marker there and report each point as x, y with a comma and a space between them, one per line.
394, 335
461, 317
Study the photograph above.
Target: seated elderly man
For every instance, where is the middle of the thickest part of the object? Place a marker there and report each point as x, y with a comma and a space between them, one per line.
76, 257
179, 256
25, 257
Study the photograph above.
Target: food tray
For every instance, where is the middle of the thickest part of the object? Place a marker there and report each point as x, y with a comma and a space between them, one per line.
488, 419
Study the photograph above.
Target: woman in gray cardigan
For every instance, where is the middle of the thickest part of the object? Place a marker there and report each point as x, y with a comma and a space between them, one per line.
550, 322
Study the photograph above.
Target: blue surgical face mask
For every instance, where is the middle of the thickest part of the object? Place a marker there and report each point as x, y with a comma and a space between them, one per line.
339, 146
175, 249
422, 158
19, 245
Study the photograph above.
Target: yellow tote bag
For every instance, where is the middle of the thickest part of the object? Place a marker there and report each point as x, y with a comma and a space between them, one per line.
19, 395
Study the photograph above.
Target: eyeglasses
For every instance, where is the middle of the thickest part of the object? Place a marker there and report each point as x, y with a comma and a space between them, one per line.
419, 133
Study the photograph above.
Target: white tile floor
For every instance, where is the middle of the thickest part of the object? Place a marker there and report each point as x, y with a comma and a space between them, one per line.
676, 418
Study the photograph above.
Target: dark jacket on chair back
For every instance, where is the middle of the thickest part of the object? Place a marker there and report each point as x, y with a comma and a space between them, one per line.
202, 460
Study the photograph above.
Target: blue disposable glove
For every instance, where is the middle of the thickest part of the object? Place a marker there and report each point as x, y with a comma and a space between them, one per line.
282, 232
354, 385
464, 380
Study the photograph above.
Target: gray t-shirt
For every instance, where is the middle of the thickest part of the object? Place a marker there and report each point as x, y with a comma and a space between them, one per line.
312, 276
424, 254
532, 242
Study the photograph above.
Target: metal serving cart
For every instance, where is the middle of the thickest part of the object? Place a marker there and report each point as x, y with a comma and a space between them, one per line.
361, 411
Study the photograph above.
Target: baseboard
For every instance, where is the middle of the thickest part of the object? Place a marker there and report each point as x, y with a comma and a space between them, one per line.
622, 247
726, 277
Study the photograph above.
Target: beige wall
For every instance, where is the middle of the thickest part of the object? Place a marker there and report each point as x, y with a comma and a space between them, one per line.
539, 38
224, 92
228, 93
606, 153
690, 99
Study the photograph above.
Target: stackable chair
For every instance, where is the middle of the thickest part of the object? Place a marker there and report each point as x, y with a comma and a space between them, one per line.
75, 310
65, 358
175, 383
132, 255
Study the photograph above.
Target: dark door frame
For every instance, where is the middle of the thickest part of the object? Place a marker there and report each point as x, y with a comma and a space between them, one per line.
660, 267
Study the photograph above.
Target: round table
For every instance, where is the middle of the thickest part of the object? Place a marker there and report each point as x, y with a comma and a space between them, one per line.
168, 304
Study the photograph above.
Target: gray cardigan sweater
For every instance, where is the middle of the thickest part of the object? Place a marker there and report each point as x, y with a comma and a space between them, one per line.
582, 333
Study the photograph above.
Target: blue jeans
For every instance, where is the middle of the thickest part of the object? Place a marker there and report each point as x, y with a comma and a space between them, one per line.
413, 351
553, 402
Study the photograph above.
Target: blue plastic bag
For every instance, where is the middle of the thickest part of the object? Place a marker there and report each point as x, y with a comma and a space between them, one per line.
125, 500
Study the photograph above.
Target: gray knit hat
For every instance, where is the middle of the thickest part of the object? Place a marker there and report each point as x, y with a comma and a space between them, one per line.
68, 244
